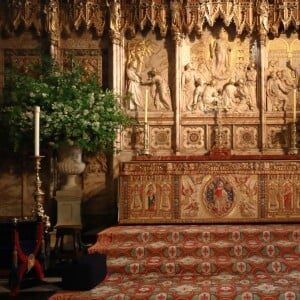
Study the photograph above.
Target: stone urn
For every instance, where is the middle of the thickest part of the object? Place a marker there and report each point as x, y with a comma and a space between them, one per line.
70, 165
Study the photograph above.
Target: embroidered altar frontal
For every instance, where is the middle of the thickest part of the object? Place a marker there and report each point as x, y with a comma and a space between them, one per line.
202, 191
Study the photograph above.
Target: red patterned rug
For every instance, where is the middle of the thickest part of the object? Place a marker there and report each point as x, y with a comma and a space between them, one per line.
247, 262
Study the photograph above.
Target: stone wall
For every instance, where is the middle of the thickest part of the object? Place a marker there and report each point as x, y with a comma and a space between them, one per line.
218, 74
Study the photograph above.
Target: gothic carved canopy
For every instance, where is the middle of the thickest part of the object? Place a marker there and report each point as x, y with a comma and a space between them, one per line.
127, 17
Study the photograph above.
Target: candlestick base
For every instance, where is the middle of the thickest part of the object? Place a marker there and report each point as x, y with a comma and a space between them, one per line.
293, 149
146, 150
39, 196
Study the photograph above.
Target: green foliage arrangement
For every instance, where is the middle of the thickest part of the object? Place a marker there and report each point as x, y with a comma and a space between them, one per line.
74, 108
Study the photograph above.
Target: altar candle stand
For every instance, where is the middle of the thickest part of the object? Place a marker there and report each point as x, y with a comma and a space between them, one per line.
39, 196
36, 131
146, 150
146, 106
293, 149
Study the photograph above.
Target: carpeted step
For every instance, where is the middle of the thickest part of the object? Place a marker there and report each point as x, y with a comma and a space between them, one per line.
192, 262
176, 234
200, 249
192, 287
207, 266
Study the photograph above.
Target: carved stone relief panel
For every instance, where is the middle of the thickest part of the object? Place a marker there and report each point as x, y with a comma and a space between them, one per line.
161, 137
194, 138
226, 137
246, 137
218, 69
277, 137
133, 138
282, 74
147, 67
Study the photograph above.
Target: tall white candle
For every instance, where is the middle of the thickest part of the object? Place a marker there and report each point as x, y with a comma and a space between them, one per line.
37, 131
146, 106
295, 106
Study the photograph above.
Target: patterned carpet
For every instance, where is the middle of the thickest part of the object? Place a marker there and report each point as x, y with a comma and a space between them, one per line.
247, 262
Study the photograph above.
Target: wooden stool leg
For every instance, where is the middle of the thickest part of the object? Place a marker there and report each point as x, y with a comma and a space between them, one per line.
72, 232
56, 245
61, 243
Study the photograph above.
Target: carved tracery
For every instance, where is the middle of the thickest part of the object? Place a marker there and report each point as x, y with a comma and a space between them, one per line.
176, 15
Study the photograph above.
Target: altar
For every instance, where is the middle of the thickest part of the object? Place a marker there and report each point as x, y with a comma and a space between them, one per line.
181, 189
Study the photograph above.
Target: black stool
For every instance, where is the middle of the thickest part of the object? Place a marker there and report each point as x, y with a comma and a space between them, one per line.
84, 273
68, 230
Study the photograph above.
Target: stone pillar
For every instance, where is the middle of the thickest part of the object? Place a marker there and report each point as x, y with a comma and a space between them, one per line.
117, 58
69, 207
117, 80
117, 84
262, 90
177, 38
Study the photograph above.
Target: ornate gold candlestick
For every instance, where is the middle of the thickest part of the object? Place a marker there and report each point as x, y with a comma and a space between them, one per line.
219, 138
293, 147
146, 150
219, 108
39, 195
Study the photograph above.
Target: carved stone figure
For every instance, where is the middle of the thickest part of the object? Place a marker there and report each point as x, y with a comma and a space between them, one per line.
210, 95
204, 72
263, 12
176, 12
228, 94
158, 90
115, 15
52, 19
251, 75
133, 87
239, 72
188, 86
276, 92
221, 53
244, 96
198, 95
272, 67
137, 51
295, 74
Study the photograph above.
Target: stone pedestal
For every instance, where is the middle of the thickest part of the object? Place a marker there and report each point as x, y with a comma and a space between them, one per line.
69, 206
70, 166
